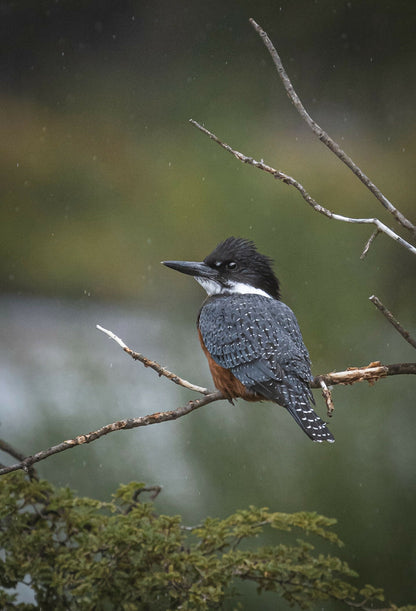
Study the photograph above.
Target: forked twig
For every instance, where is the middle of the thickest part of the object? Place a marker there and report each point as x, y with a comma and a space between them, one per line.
288, 180
9, 449
335, 148
372, 373
323, 136
128, 423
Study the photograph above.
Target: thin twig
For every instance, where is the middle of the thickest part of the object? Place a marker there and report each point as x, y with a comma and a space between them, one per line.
288, 180
162, 371
372, 373
129, 423
369, 242
6, 447
324, 137
403, 332
326, 393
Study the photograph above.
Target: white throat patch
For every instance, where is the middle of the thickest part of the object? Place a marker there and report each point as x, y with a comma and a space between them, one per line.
232, 288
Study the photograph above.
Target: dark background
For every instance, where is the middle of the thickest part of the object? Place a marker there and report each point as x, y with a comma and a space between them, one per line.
102, 177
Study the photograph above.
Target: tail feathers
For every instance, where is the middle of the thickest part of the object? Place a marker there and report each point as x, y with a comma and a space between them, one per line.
297, 398
310, 423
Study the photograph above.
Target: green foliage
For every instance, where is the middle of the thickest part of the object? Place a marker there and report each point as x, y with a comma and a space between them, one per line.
79, 553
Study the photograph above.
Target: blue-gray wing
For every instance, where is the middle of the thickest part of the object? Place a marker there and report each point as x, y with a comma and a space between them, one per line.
258, 339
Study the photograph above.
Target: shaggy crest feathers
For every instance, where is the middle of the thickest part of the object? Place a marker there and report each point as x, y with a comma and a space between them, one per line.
252, 268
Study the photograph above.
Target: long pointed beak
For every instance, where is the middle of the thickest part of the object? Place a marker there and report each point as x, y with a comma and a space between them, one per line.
192, 268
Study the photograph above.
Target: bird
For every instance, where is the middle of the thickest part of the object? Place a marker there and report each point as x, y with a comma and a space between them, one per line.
252, 339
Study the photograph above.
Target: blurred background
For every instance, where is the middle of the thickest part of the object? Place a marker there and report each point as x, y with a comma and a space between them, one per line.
103, 177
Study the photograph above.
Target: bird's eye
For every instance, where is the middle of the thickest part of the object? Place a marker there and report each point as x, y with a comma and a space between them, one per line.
231, 265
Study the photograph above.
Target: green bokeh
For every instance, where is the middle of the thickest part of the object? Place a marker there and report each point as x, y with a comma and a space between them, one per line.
103, 177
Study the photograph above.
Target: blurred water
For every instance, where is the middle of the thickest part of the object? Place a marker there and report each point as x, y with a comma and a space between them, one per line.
59, 377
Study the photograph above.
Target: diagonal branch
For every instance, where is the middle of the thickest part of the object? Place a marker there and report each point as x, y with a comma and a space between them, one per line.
288, 180
403, 332
8, 449
323, 136
369, 242
371, 373
128, 423
161, 371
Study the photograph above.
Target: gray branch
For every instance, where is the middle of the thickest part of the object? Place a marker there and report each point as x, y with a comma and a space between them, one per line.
392, 320
288, 180
371, 373
324, 137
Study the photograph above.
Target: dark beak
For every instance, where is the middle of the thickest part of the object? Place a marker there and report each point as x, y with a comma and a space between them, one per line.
192, 268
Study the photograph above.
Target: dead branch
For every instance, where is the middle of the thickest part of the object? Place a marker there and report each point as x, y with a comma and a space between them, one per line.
161, 371
128, 423
323, 136
403, 332
371, 373
8, 449
336, 149
370, 240
326, 393
288, 180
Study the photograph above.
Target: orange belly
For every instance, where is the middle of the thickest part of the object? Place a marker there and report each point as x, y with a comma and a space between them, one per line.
225, 381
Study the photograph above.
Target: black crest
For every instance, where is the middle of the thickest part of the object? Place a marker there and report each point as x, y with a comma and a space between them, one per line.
239, 260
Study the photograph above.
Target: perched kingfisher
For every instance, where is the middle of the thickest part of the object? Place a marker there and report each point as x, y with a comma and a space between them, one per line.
252, 339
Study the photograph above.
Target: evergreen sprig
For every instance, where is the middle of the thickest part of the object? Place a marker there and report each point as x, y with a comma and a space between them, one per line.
80, 553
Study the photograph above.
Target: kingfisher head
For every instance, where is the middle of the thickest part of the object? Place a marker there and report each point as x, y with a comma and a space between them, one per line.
234, 267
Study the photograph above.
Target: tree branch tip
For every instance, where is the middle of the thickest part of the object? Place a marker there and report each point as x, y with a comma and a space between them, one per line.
334, 147
369, 243
289, 180
326, 393
113, 336
254, 24
392, 320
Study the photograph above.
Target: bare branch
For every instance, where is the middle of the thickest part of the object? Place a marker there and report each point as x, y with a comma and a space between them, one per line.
288, 180
403, 332
162, 371
6, 447
369, 242
129, 423
324, 137
326, 393
371, 373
